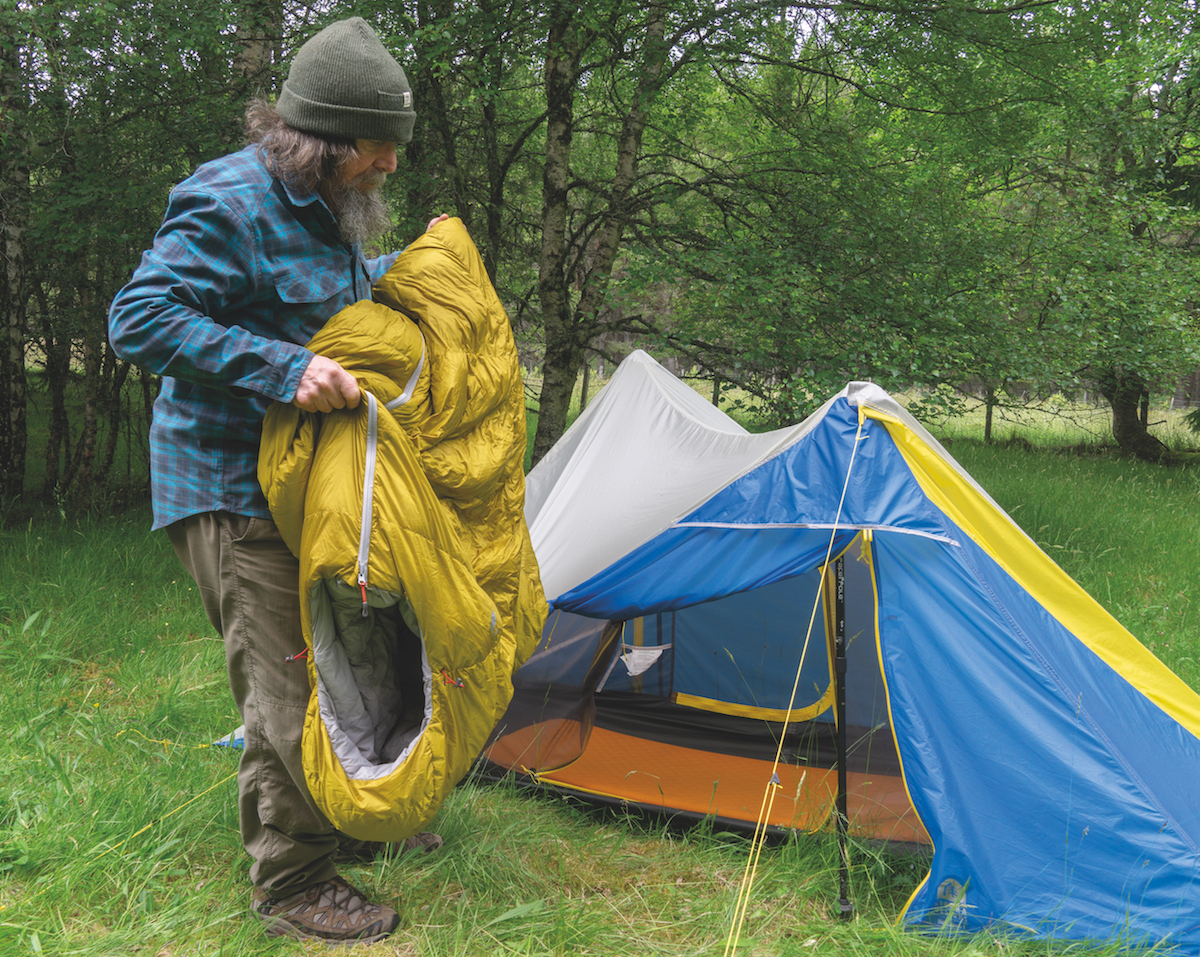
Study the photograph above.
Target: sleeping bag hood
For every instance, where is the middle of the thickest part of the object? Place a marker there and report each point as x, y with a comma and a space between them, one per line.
419, 590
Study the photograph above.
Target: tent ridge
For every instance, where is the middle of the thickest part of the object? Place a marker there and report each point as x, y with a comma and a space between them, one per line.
849, 526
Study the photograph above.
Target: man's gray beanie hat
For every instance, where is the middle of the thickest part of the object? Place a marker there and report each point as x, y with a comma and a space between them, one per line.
342, 82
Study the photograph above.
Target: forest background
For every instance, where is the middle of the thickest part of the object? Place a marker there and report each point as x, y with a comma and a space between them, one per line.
952, 197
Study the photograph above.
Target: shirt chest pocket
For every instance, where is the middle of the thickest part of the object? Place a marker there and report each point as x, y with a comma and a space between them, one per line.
306, 283
309, 293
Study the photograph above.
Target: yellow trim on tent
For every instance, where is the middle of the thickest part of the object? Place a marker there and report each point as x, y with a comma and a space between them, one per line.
750, 711
548, 778
1050, 586
868, 553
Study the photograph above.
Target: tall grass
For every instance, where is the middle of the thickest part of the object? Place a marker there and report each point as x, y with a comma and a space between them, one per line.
118, 831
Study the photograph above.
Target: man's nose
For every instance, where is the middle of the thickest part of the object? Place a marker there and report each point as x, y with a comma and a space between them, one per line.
386, 160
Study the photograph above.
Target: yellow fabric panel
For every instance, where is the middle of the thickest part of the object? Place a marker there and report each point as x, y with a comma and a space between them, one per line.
475, 387
1049, 585
447, 529
284, 462
751, 711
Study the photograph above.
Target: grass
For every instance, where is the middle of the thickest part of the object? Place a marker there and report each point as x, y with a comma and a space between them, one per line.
118, 831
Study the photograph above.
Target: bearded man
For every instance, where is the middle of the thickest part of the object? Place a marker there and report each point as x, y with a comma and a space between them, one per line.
256, 251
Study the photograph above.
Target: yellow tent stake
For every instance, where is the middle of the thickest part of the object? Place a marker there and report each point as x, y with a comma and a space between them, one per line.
167, 815
764, 814
164, 742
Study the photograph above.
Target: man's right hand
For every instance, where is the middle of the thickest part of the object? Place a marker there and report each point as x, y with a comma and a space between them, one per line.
326, 386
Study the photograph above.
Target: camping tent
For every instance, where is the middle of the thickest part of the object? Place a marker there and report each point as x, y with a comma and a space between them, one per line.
994, 710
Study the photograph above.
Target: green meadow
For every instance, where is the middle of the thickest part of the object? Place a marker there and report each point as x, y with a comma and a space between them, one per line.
118, 830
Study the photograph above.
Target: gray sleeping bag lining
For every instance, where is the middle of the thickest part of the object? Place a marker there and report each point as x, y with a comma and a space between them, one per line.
374, 685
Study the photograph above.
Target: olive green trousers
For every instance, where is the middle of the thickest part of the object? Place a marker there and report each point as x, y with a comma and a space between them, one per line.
249, 581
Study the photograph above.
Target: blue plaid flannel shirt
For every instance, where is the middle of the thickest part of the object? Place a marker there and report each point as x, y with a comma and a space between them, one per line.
242, 273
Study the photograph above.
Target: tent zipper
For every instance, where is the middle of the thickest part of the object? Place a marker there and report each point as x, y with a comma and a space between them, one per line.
364, 535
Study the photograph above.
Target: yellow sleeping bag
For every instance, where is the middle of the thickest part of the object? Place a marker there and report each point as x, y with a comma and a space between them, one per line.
419, 590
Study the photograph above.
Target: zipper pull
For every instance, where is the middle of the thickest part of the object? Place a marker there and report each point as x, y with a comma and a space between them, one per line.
362, 586
299, 655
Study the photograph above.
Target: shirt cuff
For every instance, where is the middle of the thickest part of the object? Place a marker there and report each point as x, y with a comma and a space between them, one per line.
292, 362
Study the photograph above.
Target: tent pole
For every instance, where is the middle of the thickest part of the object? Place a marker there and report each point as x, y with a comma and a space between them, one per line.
845, 907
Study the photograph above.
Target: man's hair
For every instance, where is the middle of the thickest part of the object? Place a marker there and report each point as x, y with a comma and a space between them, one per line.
303, 161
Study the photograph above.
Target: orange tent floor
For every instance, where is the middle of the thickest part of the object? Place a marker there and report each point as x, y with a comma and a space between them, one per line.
657, 775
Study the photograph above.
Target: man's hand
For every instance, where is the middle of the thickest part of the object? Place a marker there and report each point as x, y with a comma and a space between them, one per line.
326, 386
437, 219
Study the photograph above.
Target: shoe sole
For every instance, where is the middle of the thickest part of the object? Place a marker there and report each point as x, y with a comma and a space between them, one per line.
281, 927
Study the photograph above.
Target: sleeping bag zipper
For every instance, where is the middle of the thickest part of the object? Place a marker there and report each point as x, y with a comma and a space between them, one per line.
364, 535
411, 385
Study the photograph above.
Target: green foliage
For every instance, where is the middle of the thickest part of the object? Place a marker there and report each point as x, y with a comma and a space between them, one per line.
932, 195
120, 104
933, 214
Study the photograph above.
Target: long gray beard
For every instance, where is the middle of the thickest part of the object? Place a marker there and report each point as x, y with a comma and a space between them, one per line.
363, 215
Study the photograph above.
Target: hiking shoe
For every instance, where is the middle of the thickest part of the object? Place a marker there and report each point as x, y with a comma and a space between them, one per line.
333, 912
352, 851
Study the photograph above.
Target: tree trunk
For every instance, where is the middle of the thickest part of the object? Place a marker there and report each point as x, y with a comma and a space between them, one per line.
259, 36
14, 218
497, 174
115, 375
439, 118
58, 370
1124, 395
569, 333
92, 332
91, 419
562, 355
